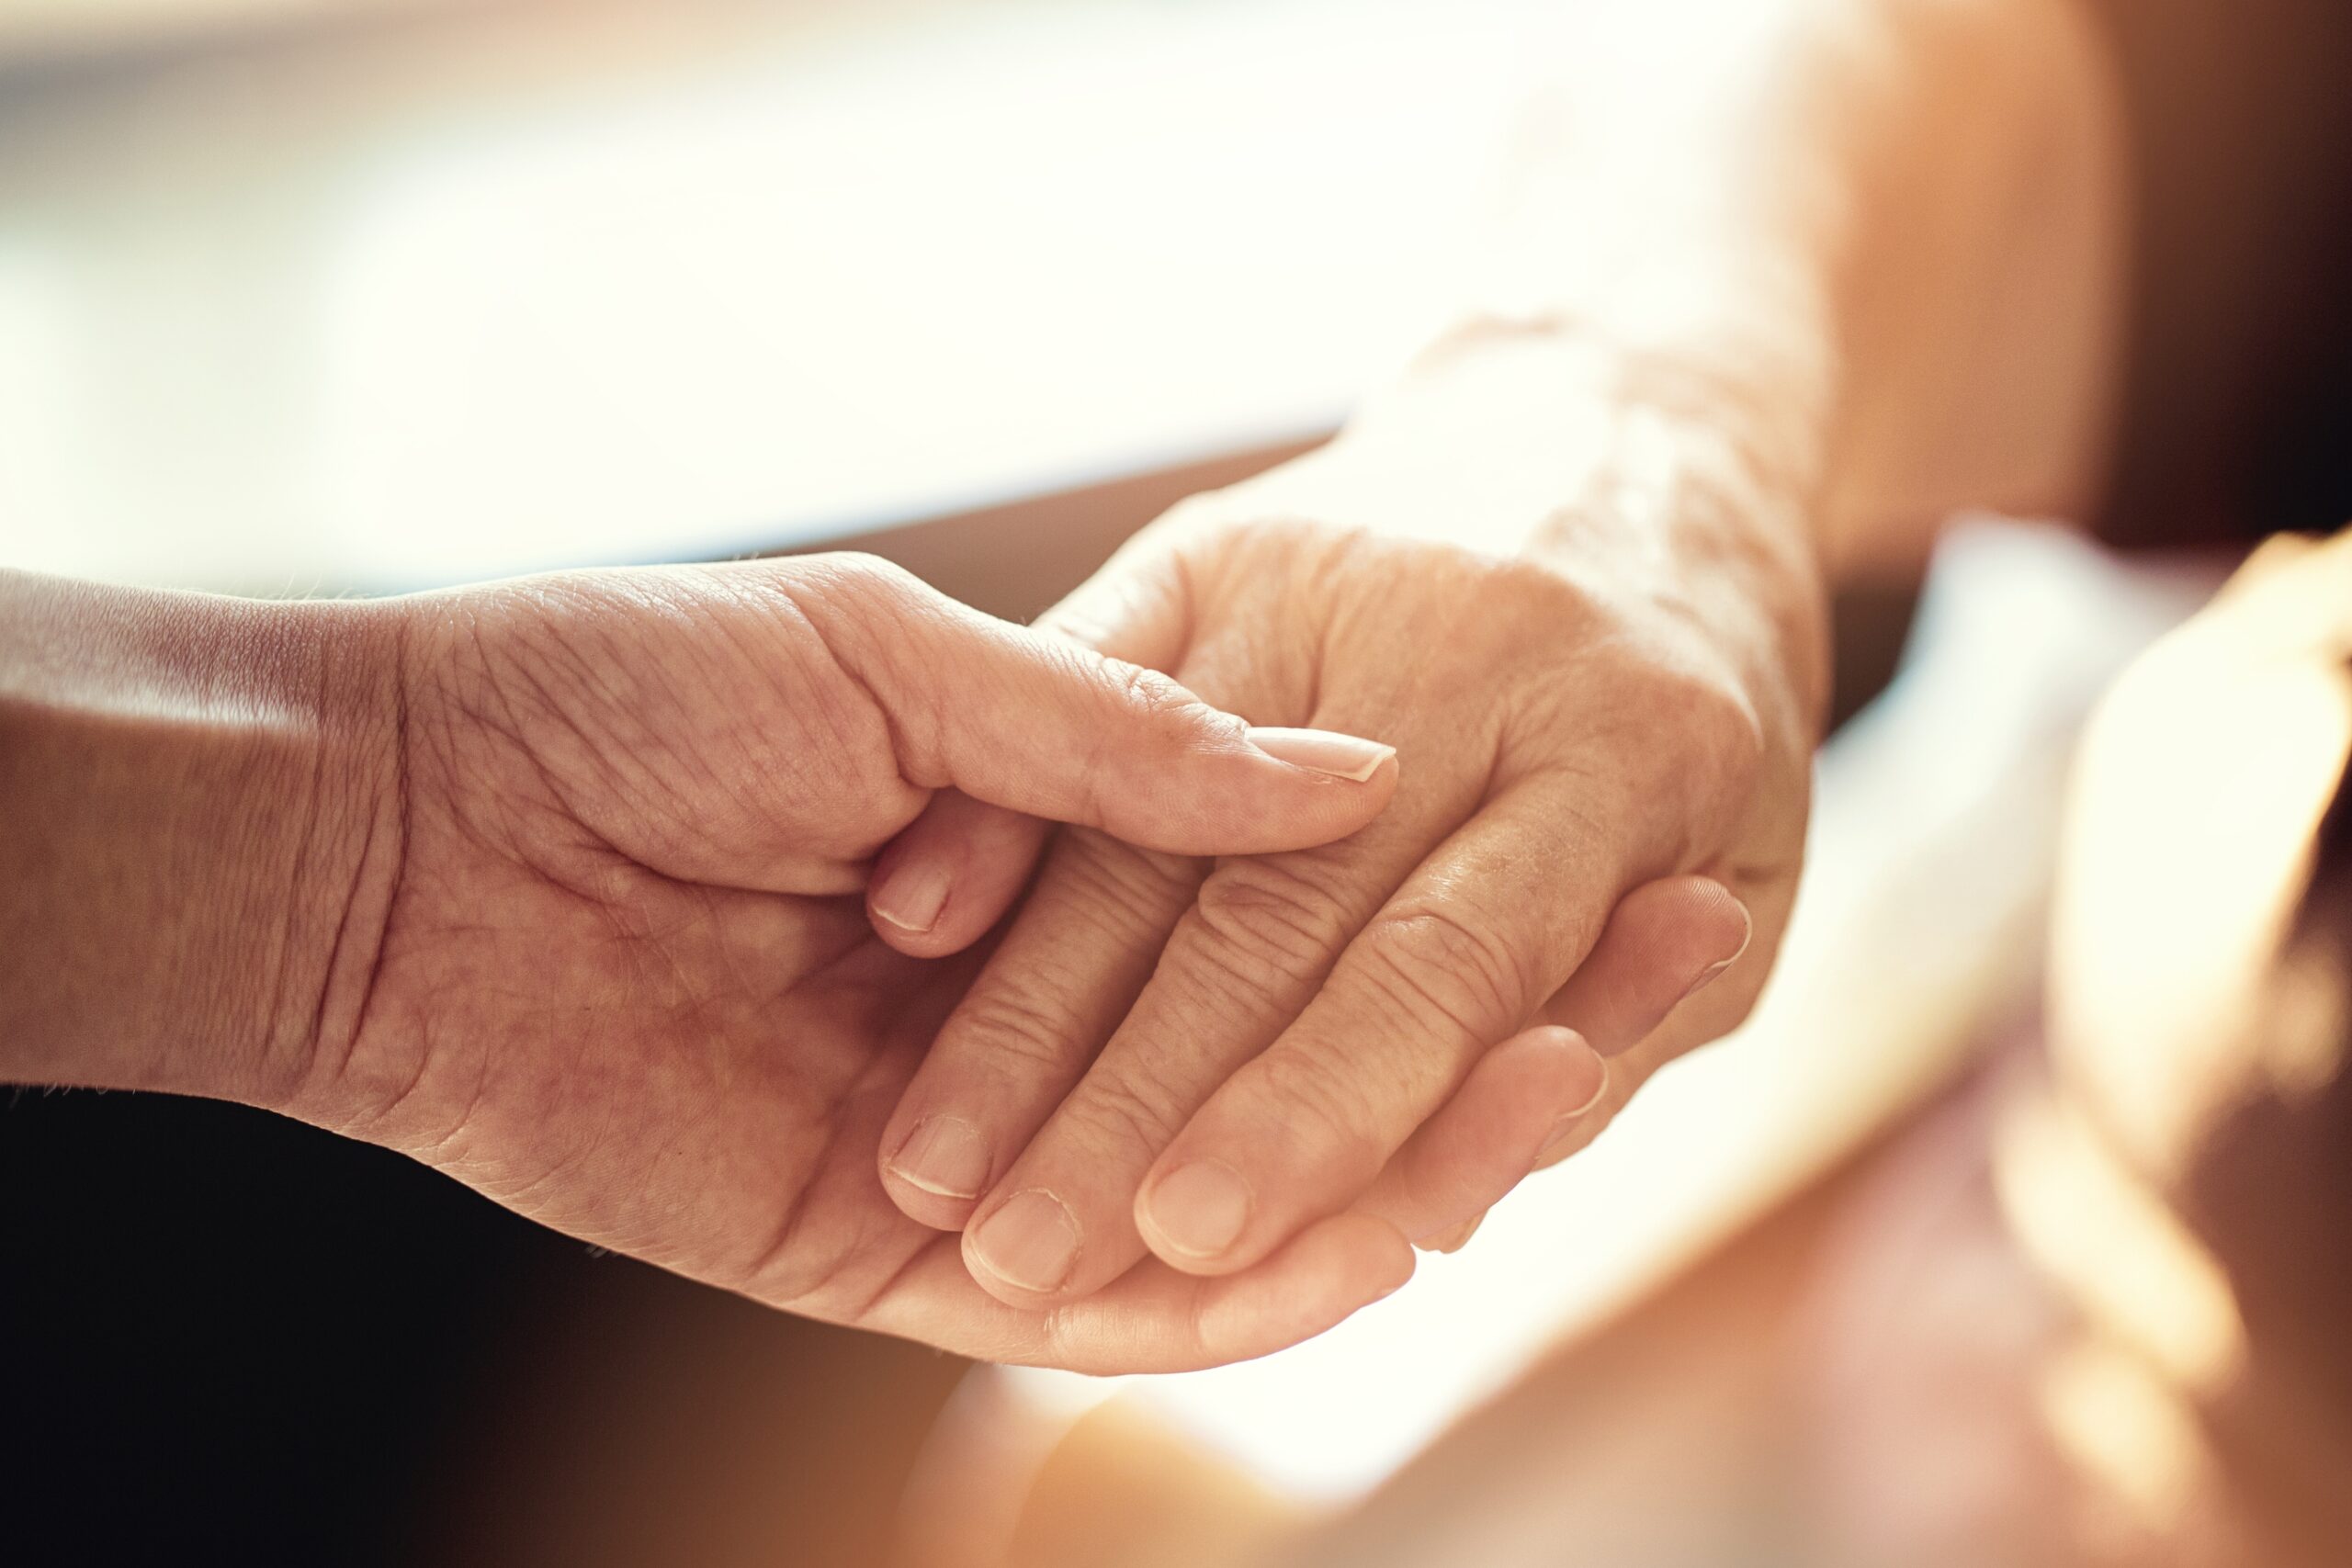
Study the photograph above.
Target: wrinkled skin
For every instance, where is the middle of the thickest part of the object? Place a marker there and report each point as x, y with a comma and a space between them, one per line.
624, 983
1598, 742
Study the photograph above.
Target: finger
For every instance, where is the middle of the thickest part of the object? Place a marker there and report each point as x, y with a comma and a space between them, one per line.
1710, 1011
1155, 1319
1665, 941
945, 881
1245, 958
1066, 973
1070, 968
1038, 724
1484, 1140
1457, 1238
953, 873
1471, 945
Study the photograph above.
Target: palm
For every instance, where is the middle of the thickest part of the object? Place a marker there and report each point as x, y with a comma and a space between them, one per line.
670, 1068
693, 1074
586, 1022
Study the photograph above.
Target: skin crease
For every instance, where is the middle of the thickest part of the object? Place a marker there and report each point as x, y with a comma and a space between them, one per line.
1573, 558
1313, 1011
699, 1070
602, 956
572, 908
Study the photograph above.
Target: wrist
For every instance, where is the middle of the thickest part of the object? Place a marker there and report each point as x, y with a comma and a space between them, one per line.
210, 778
340, 890
1666, 480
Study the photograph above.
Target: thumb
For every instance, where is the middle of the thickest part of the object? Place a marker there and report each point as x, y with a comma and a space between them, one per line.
1042, 726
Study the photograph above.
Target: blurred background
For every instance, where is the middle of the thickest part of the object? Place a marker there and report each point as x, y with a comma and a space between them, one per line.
389, 294
304, 297
336, 297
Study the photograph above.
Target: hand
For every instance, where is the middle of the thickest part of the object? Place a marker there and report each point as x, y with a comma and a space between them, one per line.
624, 982
1604, 744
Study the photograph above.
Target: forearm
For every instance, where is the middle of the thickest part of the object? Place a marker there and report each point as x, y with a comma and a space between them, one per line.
196, 801
1795, 278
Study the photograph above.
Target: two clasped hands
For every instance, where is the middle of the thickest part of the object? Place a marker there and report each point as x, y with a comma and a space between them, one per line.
1101, 994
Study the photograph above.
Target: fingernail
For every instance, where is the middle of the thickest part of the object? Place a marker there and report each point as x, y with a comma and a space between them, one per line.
1031, 1241
1566, 1124
912, 895
1708, 976
944, 1155
1323, 752
1200, 1208
1455, 1239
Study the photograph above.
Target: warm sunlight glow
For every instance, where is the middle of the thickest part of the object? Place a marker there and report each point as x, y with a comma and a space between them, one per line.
2194, 802
2121, 1255
2127, 1434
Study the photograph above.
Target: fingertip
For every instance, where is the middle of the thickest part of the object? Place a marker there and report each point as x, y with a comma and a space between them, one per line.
905, 901
1333, 784
933, 1211
1389, 1257
1368, 1253
1664, 942
1578, 1124
1244, 1178
1193, 1211
942, 884
1725, 926
1279, 790
1328, 753
1577, 1074
936, 1169
1482, 1142
1551, 1062
1024, 1249
1331, 1271
1455, 1239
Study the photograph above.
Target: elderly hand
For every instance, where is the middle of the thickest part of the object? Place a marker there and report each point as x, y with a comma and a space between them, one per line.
1600, 687
614, 972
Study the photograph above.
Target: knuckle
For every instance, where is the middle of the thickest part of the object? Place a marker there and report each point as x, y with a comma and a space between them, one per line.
1304, 538
1716, 736
1682, 747
1657, 676
1207, 514
1014, 1032
1448, 969
1509, 604
1271, 919
1325, 1103
1241, 531
1216, 982
1169, 708
1136, 1105
851, 594
1532, 591
1148, 690
1123, 890
868, 574
1715, 711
